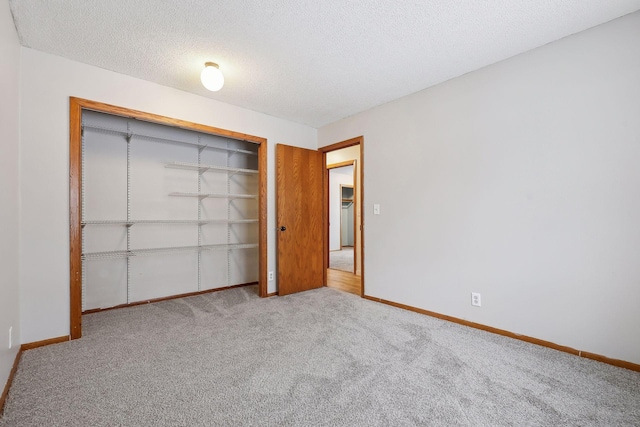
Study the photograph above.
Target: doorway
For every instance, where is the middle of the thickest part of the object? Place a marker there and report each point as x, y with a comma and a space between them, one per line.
342, 216
343, 222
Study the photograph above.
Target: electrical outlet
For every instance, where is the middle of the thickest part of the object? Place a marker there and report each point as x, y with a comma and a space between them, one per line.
476, 299
10, 336
271, 276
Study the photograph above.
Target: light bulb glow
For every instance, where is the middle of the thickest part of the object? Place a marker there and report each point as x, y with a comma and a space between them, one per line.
212, 77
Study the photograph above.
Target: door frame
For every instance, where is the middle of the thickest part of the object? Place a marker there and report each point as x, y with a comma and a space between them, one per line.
357, 182
76, 106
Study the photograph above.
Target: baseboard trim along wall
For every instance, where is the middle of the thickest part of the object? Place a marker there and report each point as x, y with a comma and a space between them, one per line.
36, 344
615, 362
16, 362
7, 386
151, 301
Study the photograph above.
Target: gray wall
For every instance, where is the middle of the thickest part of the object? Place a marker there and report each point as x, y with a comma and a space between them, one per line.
9, 222
520, 181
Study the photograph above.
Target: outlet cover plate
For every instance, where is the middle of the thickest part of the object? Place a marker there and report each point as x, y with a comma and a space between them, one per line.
476, 299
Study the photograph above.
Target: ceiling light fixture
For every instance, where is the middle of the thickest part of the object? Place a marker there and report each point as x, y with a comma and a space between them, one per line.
212, 77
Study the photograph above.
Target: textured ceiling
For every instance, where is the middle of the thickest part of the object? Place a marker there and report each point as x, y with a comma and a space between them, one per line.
309, 61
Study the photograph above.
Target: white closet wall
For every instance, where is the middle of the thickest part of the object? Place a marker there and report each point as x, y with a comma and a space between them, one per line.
165, 211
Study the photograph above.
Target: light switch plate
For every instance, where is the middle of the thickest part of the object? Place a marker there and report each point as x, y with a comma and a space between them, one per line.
376, 209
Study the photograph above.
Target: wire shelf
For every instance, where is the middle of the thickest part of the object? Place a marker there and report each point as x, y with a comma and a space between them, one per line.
205, 168
102, 129
175, 249
170, 221
105, 222
105, 255
124, 133
232, 246
215, 195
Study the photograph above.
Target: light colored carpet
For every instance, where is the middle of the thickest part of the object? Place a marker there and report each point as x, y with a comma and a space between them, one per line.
319, 358
342, 260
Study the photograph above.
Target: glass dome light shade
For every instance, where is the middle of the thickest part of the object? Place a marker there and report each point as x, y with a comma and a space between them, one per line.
212, 77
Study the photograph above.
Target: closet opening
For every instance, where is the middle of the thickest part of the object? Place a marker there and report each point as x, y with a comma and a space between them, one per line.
160, 208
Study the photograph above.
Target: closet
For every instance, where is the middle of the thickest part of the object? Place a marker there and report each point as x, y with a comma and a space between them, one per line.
164, 211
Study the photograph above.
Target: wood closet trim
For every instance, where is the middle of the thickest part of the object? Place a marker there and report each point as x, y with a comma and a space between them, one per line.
75, 218
76, 105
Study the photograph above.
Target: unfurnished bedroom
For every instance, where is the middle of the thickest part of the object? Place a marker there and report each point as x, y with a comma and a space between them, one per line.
328, 213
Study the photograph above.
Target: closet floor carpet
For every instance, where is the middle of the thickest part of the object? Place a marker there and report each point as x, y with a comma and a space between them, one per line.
321, 357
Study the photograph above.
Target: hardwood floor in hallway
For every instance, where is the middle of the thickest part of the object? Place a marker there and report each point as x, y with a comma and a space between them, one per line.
343, 281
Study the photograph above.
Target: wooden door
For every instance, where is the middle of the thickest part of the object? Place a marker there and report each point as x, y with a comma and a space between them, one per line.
299, 215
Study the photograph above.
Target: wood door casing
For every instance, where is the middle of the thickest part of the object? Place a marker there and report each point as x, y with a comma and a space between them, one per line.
299, 184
